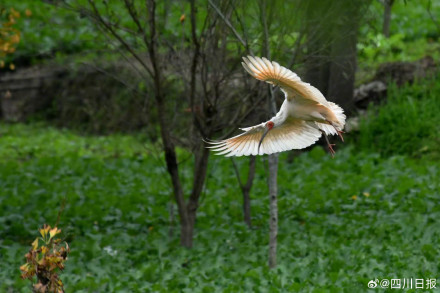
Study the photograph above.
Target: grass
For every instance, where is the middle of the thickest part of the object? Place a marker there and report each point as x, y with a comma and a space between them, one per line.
406, 123
343, 221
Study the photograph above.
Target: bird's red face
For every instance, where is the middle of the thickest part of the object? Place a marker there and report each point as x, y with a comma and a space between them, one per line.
269, 125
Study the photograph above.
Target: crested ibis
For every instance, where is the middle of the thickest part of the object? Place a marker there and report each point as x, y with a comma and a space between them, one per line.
304, 116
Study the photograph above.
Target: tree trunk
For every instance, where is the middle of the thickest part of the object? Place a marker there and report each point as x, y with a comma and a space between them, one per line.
318, 40
273, 159
331, 45
200, 169
189, 210
247, 209
387, 17
171, 219
168, 145
273, 224
343, 66
187, 232
246, 189
344, 58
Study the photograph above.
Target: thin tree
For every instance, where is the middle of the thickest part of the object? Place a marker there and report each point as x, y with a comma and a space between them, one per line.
279, 25
273, 159
388, 4
246, 187
204, 73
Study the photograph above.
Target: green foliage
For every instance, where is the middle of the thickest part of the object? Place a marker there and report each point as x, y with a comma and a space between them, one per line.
408, 123
413, 35
62, 33
9, 35
406, 14
409, 18
51, 32
377, 49
117, 223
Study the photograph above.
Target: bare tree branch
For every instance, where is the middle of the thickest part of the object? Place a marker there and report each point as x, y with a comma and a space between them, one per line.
115, 77
437, 24
228, 23
100, 20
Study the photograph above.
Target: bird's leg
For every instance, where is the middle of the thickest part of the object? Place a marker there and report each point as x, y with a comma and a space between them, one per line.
330, 146
340, 132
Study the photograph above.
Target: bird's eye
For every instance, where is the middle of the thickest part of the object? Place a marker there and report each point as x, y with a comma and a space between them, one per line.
269, 124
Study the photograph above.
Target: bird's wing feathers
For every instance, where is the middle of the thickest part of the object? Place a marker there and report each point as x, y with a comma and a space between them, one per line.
272, 72
292, 134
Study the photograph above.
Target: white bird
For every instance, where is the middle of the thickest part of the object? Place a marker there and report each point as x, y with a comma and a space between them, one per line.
303, 117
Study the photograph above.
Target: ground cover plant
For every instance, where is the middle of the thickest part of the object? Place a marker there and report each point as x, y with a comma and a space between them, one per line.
343, 221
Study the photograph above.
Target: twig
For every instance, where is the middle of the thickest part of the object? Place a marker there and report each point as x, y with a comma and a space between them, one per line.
60, 211
105, 72
237, 173
228, 23
436, 23
100, 20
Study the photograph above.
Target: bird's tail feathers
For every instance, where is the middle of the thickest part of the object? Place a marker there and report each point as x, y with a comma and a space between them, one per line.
339, 113
337, 124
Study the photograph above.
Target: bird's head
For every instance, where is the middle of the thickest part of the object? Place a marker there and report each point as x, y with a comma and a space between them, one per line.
268, 127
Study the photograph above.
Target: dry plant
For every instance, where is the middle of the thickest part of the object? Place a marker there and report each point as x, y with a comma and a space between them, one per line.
45, 258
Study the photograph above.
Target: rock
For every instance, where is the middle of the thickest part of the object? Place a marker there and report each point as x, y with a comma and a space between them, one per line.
371, 92
352, 124
406, 72
399, 73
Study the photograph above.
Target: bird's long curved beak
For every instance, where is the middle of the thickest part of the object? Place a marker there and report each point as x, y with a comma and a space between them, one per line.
261, 139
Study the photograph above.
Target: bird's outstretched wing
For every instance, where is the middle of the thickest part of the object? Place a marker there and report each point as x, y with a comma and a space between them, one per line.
290, 83
292, 134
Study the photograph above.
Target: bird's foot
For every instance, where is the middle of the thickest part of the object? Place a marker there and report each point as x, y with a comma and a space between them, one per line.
330, 148
340, 132
330, 145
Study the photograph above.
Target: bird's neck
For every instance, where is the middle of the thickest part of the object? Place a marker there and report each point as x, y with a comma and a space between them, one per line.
279, 118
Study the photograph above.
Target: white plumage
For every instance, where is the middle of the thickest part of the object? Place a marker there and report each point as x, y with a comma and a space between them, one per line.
302, 118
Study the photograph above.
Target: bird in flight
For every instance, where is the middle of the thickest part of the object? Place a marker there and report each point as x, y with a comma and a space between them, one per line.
304, 116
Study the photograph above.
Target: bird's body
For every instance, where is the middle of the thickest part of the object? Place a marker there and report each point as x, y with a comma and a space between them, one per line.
303, 117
